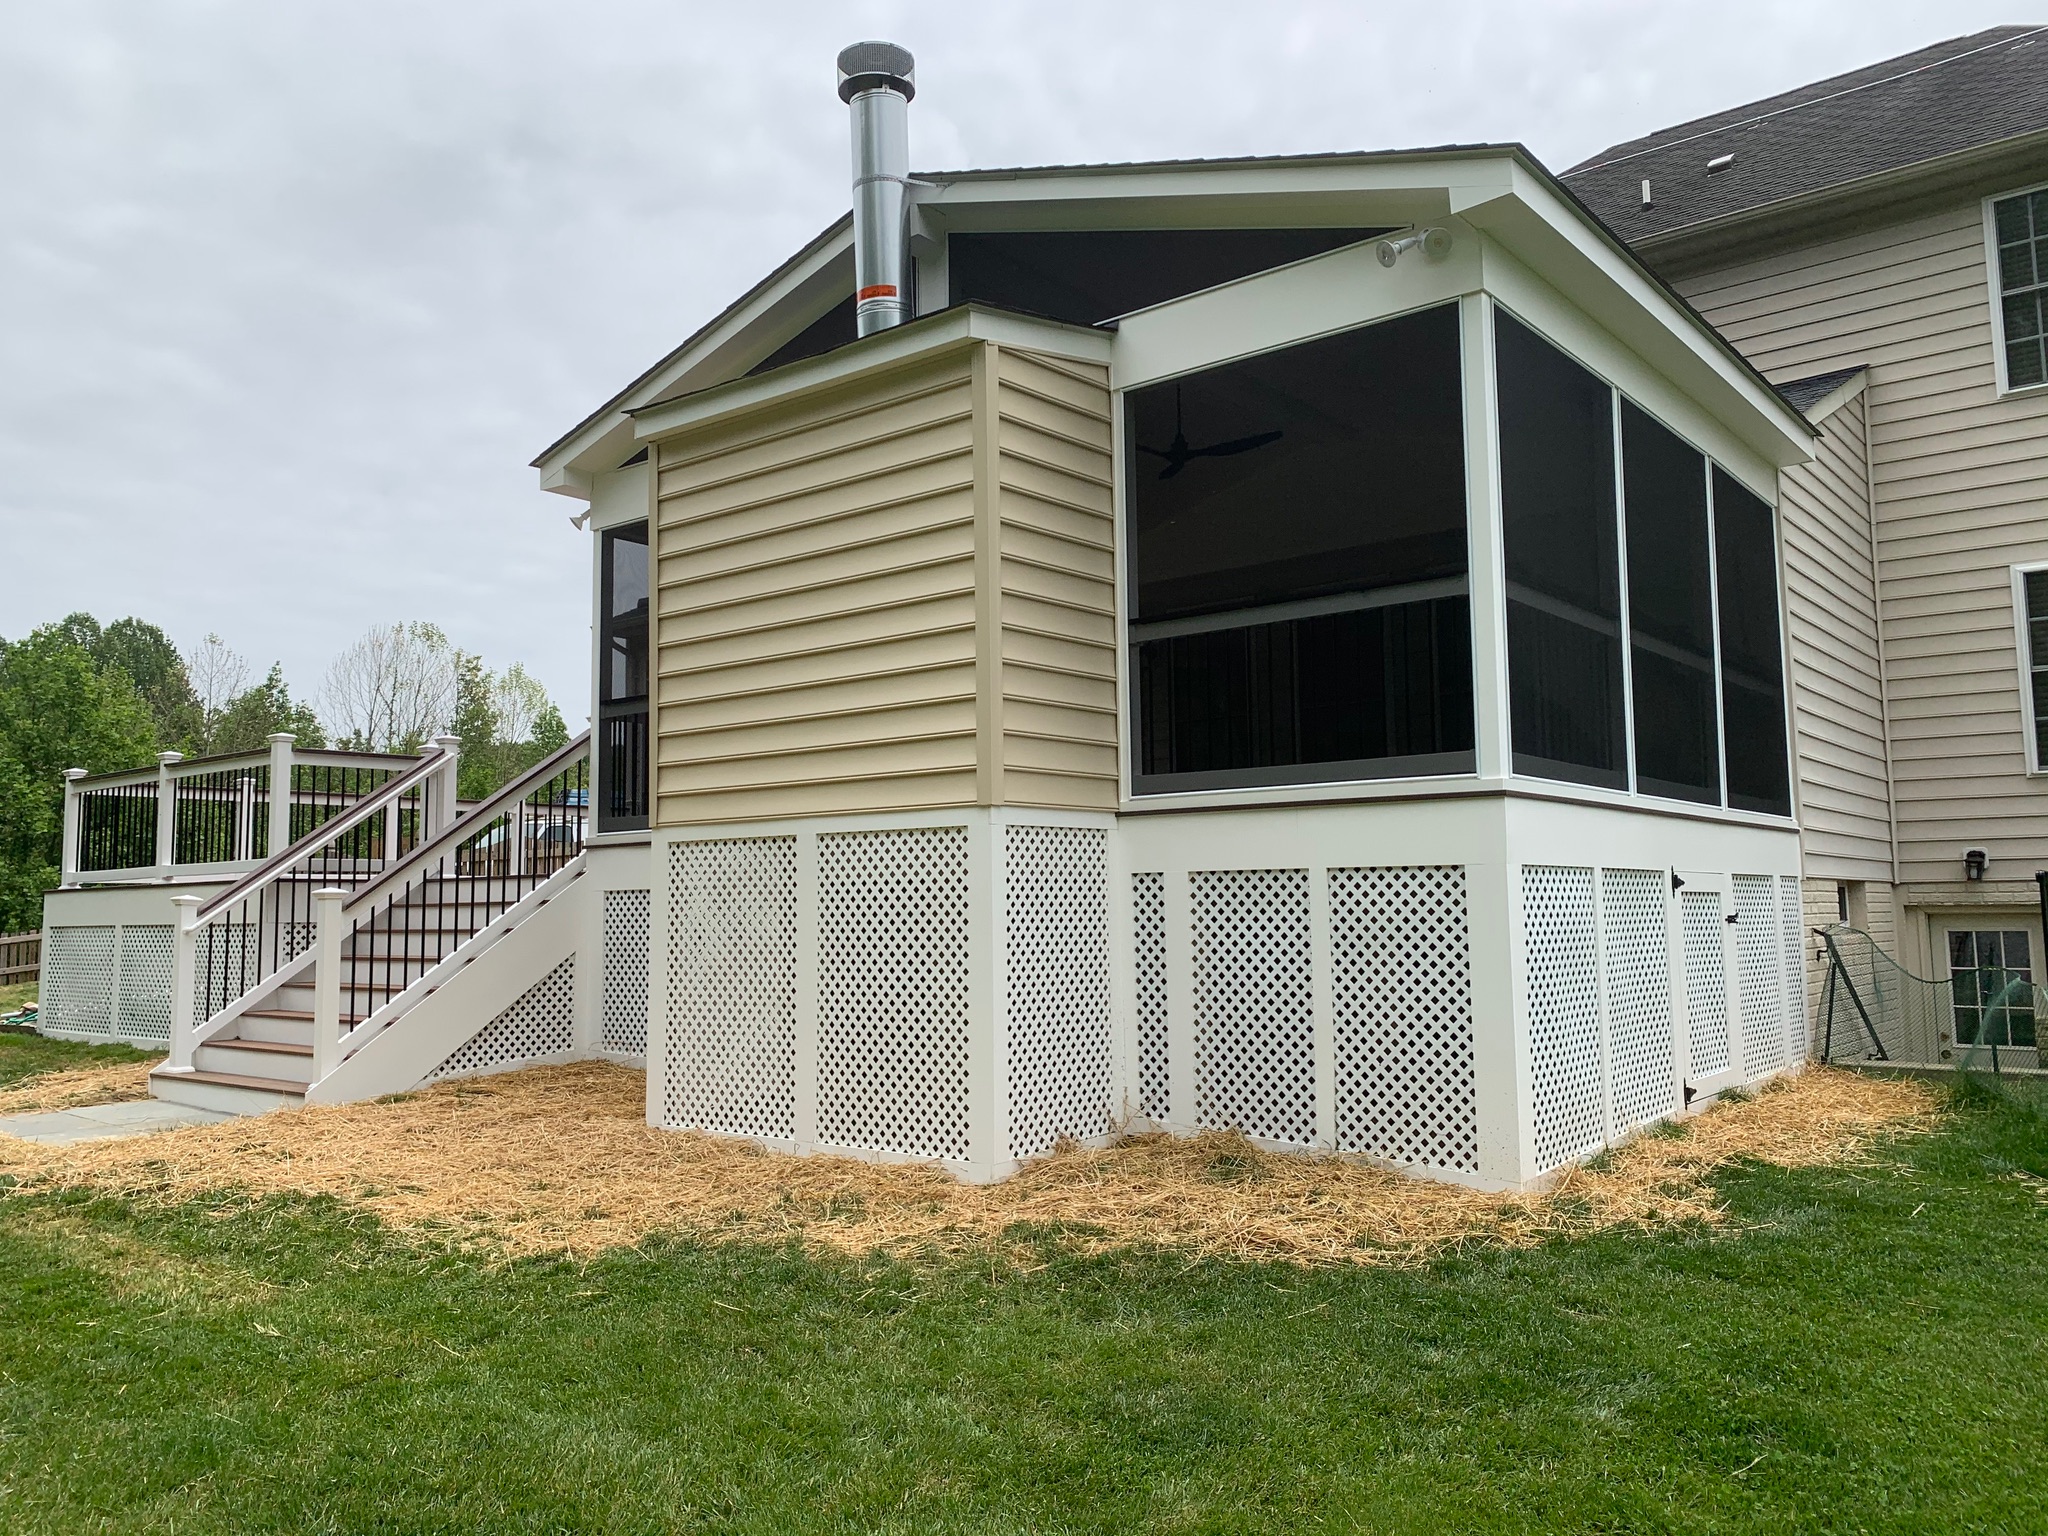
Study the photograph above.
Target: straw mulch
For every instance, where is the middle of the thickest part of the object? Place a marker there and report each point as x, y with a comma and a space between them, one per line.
559, 1160
74, 1086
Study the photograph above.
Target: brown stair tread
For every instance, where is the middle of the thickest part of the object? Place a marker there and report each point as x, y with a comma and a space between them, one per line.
235, 1080
299, 1015
282, 1047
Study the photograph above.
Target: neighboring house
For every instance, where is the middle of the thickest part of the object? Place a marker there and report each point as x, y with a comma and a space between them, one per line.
1293, 644
1877, 244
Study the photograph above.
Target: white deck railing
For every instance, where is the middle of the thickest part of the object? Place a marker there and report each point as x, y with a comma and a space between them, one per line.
223, 817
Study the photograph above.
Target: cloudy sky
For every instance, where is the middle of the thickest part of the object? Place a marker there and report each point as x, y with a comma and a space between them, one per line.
292, 290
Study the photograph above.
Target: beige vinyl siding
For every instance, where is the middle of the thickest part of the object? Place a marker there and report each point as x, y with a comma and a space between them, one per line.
889, 594
1959, 483
1837, 690
815, 604
1058, 572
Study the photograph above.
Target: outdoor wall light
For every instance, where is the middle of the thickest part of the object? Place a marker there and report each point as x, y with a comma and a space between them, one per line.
1435, 243
1975, 862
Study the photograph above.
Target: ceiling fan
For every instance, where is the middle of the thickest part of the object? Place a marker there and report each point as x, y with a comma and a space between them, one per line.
1177, 453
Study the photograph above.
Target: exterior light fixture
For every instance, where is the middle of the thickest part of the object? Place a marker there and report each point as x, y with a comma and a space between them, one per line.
1975, 862
1435, 244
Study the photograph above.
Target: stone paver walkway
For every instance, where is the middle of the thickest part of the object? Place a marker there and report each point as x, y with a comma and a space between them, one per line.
104, 1122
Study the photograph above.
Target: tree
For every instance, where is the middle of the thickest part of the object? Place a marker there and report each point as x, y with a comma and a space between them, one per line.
219, 674
507, 724
58, 710
153, 664
253, 714
392, 689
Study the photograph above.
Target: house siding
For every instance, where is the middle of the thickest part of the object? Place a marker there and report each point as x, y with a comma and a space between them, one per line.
1959, 480
1837, 670
1058, 574
889, 595
815, 605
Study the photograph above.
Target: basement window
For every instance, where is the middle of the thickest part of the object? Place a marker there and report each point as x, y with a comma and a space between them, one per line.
1299, 608
2019, 239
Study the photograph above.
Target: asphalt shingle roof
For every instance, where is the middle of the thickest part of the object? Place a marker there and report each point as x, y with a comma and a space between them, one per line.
1957, 95
1804, 394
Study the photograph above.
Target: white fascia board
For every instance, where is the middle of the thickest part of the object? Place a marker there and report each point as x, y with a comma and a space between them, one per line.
1559, 245
1285, 306
874, 354
750, 329
1372, 191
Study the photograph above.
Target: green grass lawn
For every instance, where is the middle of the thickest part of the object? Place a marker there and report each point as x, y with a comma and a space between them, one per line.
25, 1055
1868, 1353
17, 994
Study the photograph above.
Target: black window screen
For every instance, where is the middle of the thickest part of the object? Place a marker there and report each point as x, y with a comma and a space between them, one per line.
1752, 661
1298, 563
1085, 276
2035, 592
1563, 573
1670, 612
624, 645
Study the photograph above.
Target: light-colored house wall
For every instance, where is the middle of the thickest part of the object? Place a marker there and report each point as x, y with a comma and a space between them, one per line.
1055, 514
1837, 671
1960, 482
825, 563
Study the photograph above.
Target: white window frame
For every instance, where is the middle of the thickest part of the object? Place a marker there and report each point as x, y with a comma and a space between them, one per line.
1996, 290
2023, 649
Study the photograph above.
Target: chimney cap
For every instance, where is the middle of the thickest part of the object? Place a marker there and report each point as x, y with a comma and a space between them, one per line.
876, 66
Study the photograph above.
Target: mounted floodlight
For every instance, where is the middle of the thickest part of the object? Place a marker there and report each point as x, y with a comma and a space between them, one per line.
1434, 243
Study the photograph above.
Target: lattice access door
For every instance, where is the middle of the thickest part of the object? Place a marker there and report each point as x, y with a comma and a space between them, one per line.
1713, 988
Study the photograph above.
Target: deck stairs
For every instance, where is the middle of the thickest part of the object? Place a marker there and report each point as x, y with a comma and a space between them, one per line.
328, 978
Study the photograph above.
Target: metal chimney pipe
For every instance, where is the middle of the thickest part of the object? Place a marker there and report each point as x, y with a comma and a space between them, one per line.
877, 81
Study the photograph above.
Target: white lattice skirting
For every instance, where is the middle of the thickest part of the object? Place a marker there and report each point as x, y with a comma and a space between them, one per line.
108, 982
1605, 1054
819, 990
539, 1027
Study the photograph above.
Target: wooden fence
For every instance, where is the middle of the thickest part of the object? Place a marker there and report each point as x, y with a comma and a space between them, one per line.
21, 957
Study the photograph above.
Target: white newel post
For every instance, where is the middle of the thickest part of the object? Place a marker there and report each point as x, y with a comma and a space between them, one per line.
444, 806
166, 812
280, 793
245, 817
327, 981
184, 982
67, 859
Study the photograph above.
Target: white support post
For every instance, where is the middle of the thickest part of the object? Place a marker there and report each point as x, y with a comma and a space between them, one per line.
280, 793
245, 818
68, 857
166, 812
444, 805
184, 982
327, 981
394, 821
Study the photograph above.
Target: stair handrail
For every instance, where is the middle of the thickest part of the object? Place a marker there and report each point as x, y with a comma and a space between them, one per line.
473, 818
328, 831
239, 949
